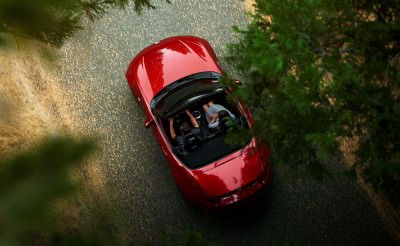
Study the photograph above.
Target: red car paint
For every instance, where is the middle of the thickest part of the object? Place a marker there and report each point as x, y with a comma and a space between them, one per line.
227, 181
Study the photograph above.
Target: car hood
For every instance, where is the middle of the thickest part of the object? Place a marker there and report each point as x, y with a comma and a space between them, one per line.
231, 173
169, 60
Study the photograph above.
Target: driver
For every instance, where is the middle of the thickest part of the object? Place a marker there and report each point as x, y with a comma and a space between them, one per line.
185, 128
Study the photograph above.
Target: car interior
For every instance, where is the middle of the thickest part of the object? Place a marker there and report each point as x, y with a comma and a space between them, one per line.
208, 146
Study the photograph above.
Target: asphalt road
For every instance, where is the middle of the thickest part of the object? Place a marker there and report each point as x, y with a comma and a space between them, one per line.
132, 186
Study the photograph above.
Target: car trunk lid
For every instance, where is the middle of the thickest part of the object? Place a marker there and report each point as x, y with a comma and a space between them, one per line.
230, 173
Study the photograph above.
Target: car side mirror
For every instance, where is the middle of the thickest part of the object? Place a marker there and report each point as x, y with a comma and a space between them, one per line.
149, 121
238, 82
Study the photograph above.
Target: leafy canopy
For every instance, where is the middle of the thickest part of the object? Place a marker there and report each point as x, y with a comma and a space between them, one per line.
320, 70
52, 21
32, 181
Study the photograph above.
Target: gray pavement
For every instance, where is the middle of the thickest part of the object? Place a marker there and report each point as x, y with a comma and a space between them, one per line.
139, 198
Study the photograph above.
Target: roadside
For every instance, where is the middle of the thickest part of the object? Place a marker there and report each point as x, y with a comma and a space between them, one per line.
27, 111
33, 106
387, 211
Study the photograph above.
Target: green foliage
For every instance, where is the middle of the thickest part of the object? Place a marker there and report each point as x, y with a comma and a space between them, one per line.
318, 70
52, 21
30, 183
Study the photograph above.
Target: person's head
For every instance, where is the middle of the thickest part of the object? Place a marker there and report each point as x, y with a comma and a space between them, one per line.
185, 127
177, 120
222, 114
223, 118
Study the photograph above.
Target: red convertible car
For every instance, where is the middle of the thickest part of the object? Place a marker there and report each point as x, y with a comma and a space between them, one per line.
175, 81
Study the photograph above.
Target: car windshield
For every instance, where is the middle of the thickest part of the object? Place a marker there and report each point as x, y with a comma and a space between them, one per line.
185, 91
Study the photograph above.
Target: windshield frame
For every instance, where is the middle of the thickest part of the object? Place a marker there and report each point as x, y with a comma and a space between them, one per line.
210, 86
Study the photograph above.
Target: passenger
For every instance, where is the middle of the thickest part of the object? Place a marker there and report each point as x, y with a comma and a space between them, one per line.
216, 112
185, 129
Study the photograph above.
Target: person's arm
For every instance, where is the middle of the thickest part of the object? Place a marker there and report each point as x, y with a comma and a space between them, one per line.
192, 119
213, 125
213, 121
213, 118
171, 128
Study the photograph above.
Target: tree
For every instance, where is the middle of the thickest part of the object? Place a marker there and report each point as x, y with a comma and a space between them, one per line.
319, 71
52, 21
31, 182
